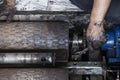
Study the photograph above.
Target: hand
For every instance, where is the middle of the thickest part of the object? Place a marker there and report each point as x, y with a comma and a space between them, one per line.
8, 13
95, 35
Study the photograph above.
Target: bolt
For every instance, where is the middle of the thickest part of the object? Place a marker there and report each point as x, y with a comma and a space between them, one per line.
95, 63
74, 63
75, 59
51, 2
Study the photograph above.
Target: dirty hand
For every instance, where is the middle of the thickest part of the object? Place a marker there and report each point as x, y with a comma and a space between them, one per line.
95, 34
8, 9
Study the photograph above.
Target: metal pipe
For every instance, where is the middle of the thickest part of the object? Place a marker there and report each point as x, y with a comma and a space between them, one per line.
27, 58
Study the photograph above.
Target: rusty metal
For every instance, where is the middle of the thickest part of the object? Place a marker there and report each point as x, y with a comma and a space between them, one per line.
32, 36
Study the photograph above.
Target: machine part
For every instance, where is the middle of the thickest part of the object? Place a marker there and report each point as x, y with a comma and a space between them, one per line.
33, 74
112, 46
34, 36
37, 17
96, 77
86, 71
112, 75
82, 52
85, 68
78, 43
118, 76
95, 55
37, 37
19, 59
85, 19
46, 5
85, 77
42, 16
75, 77
76, 18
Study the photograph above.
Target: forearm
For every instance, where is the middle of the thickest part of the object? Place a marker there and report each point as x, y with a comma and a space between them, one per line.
99, 10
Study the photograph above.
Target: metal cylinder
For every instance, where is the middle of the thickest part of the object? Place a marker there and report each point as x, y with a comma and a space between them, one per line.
27, 58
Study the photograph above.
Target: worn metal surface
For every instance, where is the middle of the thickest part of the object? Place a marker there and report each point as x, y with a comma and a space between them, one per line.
86, 77
34, 35
33, 74
45, 5
85, 68
44, 16
27, 58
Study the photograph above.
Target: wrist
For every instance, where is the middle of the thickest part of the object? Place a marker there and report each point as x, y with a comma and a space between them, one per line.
97, 23
96, 17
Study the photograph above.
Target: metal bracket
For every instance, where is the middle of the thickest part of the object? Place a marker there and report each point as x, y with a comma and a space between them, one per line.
85, 68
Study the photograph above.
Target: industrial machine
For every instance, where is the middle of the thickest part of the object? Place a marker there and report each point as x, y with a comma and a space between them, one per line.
55, 39
112, 51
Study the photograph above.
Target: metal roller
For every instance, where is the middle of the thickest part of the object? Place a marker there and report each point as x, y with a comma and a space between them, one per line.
27, 58
34, 35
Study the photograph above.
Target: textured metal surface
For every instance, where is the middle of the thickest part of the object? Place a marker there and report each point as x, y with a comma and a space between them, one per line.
34, 35
86, 77
85, 68
27, 58
33, 74
45, 5
44, 16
